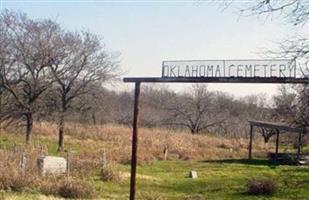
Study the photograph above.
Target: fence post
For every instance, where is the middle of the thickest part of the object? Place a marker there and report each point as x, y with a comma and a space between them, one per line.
165, 151
68, 162
104, 160
41, 151
23, 162
14, 148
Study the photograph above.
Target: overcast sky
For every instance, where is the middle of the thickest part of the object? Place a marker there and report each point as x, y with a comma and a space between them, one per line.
148, 32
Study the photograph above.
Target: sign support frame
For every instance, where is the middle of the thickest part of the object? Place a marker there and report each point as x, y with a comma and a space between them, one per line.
139, 80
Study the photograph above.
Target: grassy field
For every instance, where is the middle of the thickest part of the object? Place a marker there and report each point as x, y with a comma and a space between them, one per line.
222, 170
224, 179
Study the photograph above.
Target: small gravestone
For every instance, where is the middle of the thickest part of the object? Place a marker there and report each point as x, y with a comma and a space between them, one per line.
52, 165
193, 174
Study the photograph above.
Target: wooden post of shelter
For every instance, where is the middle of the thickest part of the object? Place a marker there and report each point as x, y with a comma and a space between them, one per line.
134, 140
250, 142
277, 145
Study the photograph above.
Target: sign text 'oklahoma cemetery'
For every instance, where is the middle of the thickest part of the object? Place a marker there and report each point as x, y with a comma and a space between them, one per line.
229, 68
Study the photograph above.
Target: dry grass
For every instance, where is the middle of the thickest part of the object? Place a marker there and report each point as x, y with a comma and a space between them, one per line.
89, 142
116, 140
75, 189
110, 173
14, 178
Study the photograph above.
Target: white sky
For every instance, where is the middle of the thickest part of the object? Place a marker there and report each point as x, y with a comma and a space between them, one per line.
148, 32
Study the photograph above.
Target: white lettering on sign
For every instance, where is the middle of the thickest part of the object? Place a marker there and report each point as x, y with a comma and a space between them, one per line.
229, 68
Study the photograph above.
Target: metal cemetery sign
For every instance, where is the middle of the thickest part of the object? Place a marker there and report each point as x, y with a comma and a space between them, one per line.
213, 71
229, 68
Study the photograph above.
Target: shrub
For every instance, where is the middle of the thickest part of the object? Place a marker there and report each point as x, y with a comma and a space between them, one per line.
70, 188
264, 186
75, 189
14, 180
49, 185
108, 173
20, 183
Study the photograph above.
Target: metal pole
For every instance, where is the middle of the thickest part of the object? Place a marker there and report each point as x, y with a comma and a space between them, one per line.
277, 146
250, 142
134, 140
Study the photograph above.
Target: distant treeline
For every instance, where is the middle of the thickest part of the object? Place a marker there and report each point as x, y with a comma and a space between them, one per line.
200, 111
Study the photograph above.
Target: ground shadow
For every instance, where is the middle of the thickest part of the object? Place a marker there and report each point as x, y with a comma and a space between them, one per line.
243, 161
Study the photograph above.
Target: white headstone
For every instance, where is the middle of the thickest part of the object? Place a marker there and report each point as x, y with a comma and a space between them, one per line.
52, 165
193, 174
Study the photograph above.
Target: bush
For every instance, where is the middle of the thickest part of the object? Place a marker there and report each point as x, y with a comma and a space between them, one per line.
108, 173
14, 180
73, 189
265, 186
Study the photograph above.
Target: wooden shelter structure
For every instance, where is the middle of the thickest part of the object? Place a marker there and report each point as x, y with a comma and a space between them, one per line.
277, 129
223, 79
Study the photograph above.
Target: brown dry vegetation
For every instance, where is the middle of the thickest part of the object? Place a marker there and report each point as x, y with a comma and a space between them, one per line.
15, 179
89, 142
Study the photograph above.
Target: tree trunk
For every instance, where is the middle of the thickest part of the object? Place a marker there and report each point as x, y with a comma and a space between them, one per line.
29, 126
194, 130
1, 112
62, 124
61, 132
94, 119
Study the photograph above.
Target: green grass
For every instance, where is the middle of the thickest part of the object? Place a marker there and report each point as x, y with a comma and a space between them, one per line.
217, 180
221, 180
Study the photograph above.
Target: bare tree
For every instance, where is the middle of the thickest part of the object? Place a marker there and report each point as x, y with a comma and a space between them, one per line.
196, 110
154, 101
124, 108
97, 106
5, 61
285, 105
294, 11
81, 61
25, 75
302, 108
